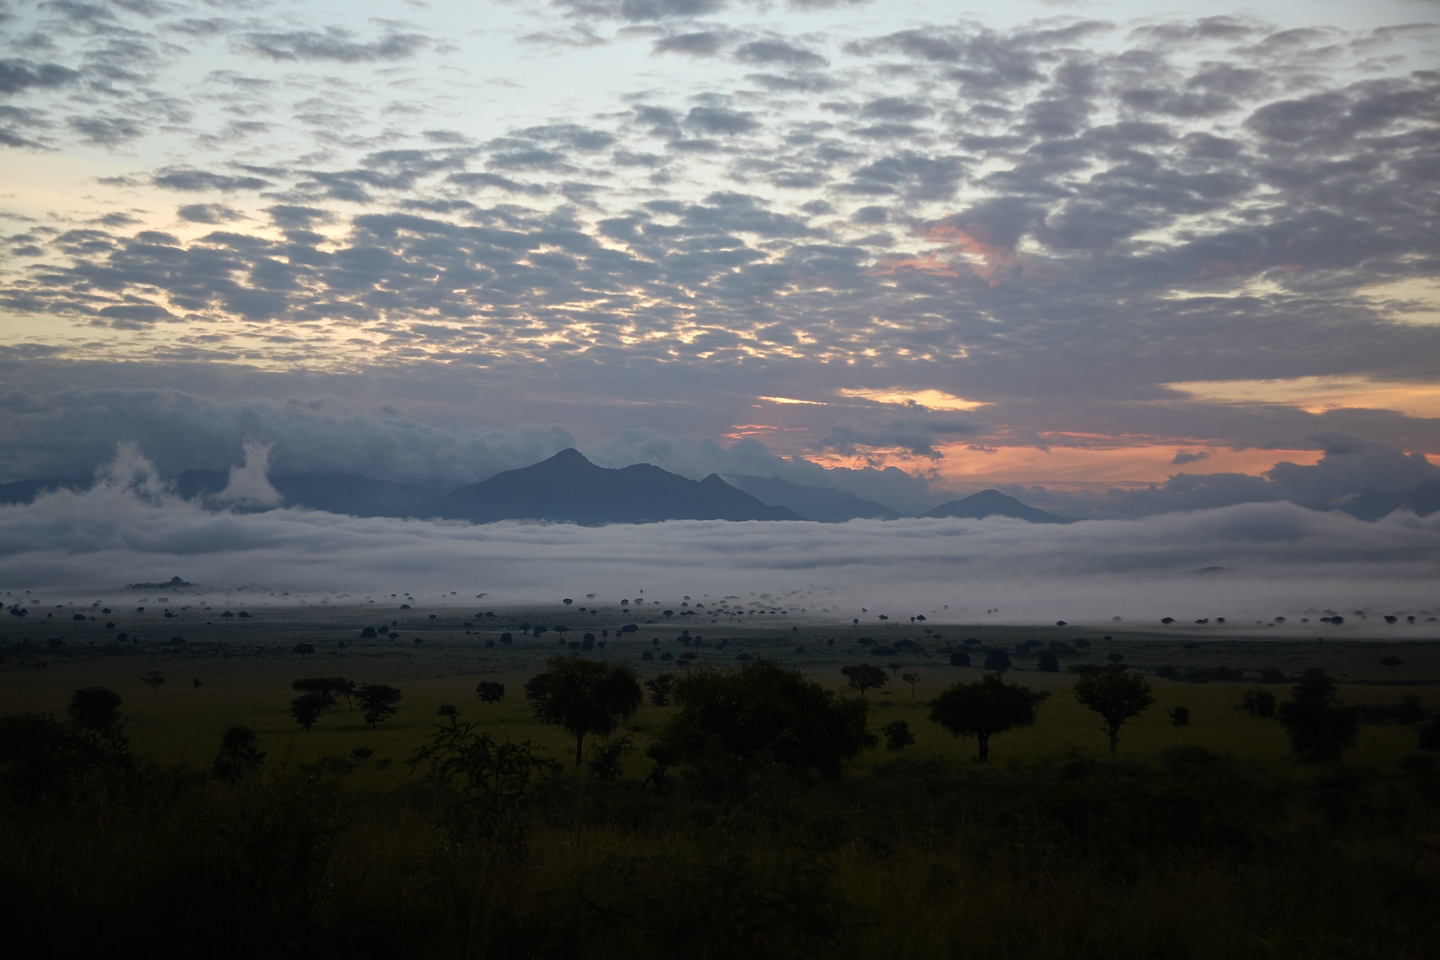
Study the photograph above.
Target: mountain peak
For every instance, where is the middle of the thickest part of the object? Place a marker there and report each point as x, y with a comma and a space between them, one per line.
993, 503
568, 488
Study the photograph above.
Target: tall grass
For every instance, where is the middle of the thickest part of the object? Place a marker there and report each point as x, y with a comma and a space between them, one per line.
1189, 856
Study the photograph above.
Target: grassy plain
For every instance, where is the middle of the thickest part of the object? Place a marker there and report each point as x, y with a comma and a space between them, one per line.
1052, 850
245, 667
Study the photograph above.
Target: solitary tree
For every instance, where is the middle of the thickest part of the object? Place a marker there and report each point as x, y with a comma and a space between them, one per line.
1180, 717
153, 679
328, 688
377, 700
1114, 694
489, 691
1320, 727
865, 676
984, 708
659, 688
95, 708
307, 708
587, 696
304, 649
912, 679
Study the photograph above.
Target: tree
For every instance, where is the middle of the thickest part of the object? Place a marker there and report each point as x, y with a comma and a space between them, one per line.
984, 708
997, 660
1114, 694
659, 688
489, 691
1319, 725
586, 696
153, 679
912, 679
1258, 703
959, 658
1049, 663
865, 676
377, 700
239, 754
307, 708
328, 688
897, 735
1180, 717
731, 722
304, 649
95, 708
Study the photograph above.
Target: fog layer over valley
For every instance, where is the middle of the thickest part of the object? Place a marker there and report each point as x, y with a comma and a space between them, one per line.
1272, 558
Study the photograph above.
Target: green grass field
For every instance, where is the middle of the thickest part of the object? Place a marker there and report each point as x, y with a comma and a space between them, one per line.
245, 668
1051, 850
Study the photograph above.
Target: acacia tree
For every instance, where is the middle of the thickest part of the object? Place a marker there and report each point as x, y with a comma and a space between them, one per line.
912, 679
153, 680
489, 691
984, 708
1116, 695
307, 708
865, 676
327, 687
377, 700
585, 696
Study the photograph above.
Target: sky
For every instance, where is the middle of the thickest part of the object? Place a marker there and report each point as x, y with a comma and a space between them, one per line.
1117, 258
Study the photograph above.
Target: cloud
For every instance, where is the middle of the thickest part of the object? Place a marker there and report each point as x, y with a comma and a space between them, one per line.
702, 43
189, 179
333, 44
774, 51
67, 434
249, 482
915, 434
1183, 457
19, 75
1274, 558
640, 11
1349, 469
106, 130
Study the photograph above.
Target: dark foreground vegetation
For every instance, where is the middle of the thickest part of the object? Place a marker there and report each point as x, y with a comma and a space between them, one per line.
750, 837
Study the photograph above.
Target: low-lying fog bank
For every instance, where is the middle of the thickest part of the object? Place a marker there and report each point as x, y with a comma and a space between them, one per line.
1241, 562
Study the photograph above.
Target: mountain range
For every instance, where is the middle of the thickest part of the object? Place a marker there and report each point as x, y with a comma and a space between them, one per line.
569, 488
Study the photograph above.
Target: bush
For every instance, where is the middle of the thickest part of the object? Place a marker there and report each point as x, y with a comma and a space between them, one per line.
731, 723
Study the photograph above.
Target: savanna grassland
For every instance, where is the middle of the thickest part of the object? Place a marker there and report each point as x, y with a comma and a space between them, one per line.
1205, 840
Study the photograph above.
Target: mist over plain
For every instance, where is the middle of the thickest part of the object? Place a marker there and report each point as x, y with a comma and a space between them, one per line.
1272, 558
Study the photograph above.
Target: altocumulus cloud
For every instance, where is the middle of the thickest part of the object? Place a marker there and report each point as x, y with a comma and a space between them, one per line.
1274, 558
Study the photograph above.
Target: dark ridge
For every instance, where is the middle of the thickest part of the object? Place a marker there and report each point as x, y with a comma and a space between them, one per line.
993, 503
567, 488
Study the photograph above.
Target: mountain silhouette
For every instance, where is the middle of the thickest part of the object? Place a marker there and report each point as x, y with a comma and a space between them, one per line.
993, 503
825, 504
570, 489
